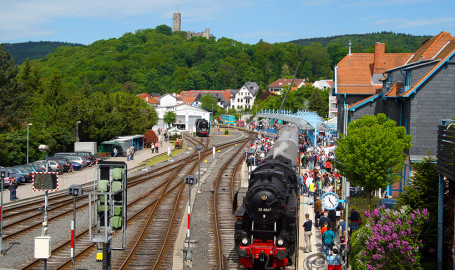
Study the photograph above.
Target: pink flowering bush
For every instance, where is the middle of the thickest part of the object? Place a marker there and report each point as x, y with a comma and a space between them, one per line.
389, 240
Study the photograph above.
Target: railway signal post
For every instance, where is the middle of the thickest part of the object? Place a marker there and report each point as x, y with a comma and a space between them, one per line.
189, 180
109, 216
74, 190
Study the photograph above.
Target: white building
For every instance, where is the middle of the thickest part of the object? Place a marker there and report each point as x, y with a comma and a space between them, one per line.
333, 107
186, 116
323, 84
327, 84
244, 97
170, 100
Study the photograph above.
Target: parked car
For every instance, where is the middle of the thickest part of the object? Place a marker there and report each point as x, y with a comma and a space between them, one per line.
24, 172
30, 169
62, 161
78, 160
52, 164
76, 165
388, 203
15, 173
35, 167
87, 155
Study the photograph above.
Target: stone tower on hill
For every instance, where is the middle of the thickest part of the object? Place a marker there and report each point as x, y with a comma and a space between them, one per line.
177, 22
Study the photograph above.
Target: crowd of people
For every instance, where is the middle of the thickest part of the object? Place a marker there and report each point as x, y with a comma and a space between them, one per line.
317, 177
258, 148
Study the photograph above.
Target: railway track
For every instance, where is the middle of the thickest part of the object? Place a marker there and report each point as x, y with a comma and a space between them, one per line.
21, 218
135, 210
222, 217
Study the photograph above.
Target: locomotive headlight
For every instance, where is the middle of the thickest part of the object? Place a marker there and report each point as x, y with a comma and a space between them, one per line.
280, 242
245, 241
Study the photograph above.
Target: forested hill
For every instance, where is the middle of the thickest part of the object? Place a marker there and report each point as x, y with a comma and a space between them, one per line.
365, 42
33, 50
162, 61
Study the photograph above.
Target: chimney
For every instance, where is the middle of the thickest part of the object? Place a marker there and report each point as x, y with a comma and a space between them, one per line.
379, 58
350, 44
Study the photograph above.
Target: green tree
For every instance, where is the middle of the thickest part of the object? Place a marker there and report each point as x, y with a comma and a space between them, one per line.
170, 118
209, 103
11, 110
422, 194
164, 29
372, 152
318, 104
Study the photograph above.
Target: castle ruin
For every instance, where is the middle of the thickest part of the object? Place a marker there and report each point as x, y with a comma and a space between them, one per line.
177, 23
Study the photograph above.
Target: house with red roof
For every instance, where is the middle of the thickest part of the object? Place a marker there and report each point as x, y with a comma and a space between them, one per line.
415, 90
154, 101
277, 86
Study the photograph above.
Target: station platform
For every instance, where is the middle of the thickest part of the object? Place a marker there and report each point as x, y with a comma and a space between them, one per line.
315, 259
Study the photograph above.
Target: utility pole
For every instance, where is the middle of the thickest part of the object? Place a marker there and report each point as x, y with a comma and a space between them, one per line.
3, 173
290, 87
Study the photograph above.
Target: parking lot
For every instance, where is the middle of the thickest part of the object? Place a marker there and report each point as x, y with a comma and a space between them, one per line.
82, 176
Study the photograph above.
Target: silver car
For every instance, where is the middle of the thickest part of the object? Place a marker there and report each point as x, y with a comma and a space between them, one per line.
53, 166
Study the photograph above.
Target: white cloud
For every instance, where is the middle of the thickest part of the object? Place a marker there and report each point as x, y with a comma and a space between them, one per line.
383, 3
415, 22
318, 3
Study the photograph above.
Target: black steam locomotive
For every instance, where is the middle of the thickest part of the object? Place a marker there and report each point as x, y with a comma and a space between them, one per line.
266, 230
202, 127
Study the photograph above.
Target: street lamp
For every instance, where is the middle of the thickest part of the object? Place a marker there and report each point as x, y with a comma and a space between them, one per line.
77, 130
44, 148
28, 125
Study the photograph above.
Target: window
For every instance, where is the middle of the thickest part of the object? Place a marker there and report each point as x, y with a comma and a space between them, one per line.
408, 78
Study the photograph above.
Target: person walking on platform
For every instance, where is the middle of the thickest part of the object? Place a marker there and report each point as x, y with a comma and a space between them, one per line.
328, 239
156, 147
333, 219
311, 194
152, 147
355, 220
324, 218
317, 209
342, 230
307, 225
334, 260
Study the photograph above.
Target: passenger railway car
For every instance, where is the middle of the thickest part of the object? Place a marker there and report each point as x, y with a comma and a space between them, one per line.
202, 127
266, 228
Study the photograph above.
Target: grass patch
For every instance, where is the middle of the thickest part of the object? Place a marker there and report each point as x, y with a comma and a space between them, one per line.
161, 158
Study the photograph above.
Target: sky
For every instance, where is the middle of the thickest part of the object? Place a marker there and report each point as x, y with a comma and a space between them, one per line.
247, 21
